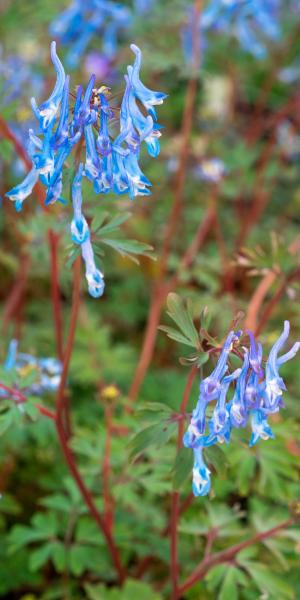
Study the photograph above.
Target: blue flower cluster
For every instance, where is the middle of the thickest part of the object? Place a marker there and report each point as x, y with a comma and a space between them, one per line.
81, 21
252, 22
47, 370
76, 27
258, 394
112, 165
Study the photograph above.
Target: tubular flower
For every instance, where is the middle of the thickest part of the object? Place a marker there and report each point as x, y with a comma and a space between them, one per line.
111, 164
258, 393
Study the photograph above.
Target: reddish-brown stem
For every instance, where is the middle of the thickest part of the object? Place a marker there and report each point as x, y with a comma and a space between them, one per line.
8, 134
21, 399
46, 412
160, 292
186, 128
107, 499
16, 295
261, 197
257, 299
275, 299
55, 293
148, 343
211, 560
158, 298
63, 438
175, 500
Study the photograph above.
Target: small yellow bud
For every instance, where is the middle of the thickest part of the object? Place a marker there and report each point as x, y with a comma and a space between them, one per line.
110, 392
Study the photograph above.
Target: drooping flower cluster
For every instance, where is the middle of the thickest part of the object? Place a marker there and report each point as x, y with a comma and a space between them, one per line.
258, 394
76, 27
46, 371
254, 23
112, 165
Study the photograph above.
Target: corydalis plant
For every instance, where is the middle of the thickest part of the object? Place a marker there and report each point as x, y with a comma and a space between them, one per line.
82, 21
254, 23
111, 160
258, 394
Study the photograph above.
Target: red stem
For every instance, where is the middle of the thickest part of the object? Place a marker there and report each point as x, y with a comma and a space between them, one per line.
175, 500
159, 296
161, 289
275, 299
211, 560
55, 293
52, 238
63, 438
107, 499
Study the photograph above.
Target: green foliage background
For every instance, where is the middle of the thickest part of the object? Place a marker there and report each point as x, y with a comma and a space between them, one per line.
50, 547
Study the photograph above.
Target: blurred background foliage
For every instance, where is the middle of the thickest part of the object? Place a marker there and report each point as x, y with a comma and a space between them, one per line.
246, 115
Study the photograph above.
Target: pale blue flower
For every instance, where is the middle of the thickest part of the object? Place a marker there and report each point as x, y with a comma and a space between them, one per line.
260, 427
201, 474
79, 228
23, 189
258, 393
47, 111
93, 276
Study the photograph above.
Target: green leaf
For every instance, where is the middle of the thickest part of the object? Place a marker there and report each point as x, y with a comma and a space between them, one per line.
73, 254
114, 223
58, 556
154, 435
127, 248
77, 559
173, 334
182, 468
268, 581
182, 316
99, 220
229, 588
39, 557
215, 456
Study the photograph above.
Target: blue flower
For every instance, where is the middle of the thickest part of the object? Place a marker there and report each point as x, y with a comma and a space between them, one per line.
255, 356
220, 422
48, 371
93, 276
47, 111
254, 23
147, 97
79, 228
23, 189
112, 165
274, 384
11, 355
211, 170
238, 410
201, 474
81, 21
260, 427
258, 393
